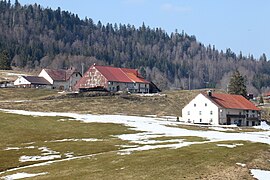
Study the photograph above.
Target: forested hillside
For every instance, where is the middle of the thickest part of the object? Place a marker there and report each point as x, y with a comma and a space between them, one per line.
37, 37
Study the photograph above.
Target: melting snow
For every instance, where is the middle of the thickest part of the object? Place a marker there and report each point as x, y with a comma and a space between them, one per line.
69, 155
47, 154
83, 139
229, 145
22, 175
12, 148
152, 127
15, 74
260, 174
241, 164
38, 158
263, 126
221, 129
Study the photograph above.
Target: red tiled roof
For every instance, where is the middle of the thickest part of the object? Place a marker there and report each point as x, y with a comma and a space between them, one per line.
60, 74
230, 101
120, 74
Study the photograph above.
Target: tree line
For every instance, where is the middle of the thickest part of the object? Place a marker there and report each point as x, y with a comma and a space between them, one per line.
35, 37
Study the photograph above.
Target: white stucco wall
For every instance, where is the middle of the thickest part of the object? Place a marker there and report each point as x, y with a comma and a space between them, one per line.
44, 74
21, 81
199, 110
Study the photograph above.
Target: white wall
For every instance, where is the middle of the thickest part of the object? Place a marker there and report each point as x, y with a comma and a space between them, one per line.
21, 81
44, 74
199, 110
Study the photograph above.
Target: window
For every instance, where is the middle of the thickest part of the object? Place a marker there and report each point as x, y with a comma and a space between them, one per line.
188, 113
200, 120
205, 104
211, 120
211, 112
253, 111
194, 105
200, 112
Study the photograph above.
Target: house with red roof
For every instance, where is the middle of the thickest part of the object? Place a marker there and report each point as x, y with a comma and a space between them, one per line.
112, 79
221, 109
61, 79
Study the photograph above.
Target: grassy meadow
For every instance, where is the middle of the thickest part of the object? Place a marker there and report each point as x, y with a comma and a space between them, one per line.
170, 103
100, 159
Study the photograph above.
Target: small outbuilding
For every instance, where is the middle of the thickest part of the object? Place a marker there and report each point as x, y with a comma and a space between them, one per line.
32, 82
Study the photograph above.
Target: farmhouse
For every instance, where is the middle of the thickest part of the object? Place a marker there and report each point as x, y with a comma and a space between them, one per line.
61, 79
113, 79
32, 82
221, 109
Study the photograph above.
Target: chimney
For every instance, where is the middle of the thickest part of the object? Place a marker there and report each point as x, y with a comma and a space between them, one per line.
209, 93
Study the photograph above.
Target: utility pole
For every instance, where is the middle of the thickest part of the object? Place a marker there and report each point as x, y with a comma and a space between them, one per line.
82, 64
189, 81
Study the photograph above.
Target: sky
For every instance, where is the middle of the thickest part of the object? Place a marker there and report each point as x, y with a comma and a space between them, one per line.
241, 25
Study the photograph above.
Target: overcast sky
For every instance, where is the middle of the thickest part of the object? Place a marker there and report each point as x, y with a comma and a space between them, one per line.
242, 25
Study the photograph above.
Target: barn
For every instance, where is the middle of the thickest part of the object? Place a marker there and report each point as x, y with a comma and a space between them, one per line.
113, 79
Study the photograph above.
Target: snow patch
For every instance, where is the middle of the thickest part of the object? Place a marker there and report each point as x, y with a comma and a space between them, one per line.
38, 158
12, 148
263, 126
221, 129
260, 174
83, 139
152, 94
150, 127
229, 145
22, 175
30, 147
69, 155
47, 154
241, 164
15, 74
46, 151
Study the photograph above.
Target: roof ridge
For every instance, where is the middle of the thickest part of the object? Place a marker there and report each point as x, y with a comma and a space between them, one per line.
127, 75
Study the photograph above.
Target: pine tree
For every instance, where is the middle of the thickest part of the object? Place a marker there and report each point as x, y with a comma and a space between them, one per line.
4, 61
261, 101
237, 84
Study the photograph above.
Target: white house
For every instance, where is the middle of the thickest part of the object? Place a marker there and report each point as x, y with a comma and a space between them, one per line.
32, 82
61, 79
221, 109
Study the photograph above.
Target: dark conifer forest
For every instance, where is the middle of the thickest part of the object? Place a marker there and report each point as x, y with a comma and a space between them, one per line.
35, 37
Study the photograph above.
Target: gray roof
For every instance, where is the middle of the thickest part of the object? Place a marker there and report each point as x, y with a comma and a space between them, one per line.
37, 80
